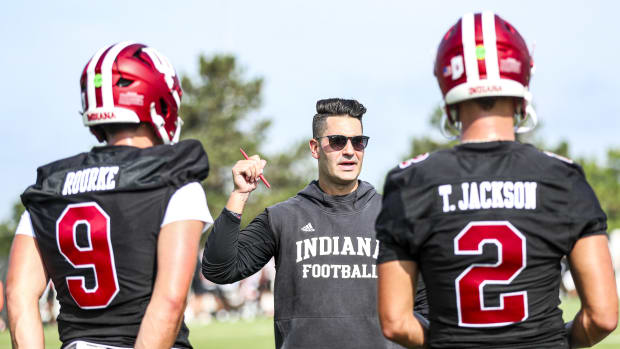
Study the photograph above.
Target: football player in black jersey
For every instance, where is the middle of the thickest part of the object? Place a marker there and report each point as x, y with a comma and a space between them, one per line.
116, 229
488, 222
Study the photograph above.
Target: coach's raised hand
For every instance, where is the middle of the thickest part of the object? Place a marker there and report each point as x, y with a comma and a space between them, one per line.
246, 175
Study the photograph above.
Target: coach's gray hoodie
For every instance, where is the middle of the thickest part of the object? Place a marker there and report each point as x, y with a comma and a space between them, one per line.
325, 287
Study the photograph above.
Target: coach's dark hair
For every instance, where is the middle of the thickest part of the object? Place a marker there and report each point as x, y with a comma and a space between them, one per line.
335, 107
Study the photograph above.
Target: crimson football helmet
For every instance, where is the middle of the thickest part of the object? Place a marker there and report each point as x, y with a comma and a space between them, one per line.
131, 83
482, 55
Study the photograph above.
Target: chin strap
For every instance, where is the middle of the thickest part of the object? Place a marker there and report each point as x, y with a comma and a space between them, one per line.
159, 123
177, 132
448, 129
526, 120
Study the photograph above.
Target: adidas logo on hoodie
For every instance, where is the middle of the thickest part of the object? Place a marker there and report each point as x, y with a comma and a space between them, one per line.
307, 228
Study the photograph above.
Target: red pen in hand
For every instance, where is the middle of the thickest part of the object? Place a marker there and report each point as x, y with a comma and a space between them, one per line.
262, 178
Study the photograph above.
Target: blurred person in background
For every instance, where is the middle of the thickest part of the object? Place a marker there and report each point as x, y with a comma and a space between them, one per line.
2, 323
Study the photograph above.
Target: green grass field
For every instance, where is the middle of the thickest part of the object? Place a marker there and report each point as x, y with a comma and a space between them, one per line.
258, 334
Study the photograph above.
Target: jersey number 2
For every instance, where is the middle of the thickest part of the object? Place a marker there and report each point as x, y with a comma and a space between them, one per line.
98, 255
511, 251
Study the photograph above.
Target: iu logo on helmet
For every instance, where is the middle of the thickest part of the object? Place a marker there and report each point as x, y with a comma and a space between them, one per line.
456, 66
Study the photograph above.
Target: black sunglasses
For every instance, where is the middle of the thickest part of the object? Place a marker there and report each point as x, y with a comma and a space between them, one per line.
338, 142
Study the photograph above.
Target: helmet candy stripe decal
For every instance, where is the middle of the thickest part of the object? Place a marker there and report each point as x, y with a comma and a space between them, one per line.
490, 45
90, 78
97, 78
106, 73
468, 37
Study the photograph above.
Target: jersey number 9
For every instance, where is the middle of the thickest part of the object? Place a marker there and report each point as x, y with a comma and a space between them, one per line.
97, 256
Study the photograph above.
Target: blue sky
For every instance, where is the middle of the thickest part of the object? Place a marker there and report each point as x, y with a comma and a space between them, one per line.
379, 52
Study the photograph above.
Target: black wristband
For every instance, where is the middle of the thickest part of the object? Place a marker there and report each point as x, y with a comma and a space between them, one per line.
235, 214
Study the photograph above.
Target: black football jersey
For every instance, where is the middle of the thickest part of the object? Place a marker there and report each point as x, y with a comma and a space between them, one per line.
96, 218
488, 224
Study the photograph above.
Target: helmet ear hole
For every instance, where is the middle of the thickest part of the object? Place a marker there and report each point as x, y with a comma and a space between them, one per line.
164, 107
122, 82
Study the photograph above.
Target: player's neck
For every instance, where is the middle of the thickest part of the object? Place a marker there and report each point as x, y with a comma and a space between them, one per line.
138, 142
487, 124
140, 138
488, 128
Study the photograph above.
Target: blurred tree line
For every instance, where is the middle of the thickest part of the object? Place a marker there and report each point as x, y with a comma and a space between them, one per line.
220, 108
